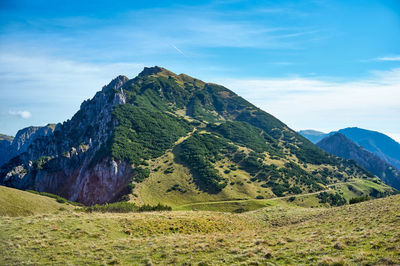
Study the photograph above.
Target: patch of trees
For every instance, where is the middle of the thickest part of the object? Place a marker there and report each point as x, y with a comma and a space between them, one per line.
126, 207
332, 199
359, 199
199, 152
144, 133
243, 134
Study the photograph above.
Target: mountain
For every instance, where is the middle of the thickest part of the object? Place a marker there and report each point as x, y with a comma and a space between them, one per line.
162, 137
379, 144
313, 135
375, 142
5, 142
341, 146
11, 147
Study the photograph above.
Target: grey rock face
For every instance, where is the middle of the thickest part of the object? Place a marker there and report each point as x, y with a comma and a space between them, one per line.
65, 161
23, 140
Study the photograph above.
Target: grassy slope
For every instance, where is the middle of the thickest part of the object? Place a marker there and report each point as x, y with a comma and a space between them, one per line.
360, 187
15, 202
362, 233
153, 190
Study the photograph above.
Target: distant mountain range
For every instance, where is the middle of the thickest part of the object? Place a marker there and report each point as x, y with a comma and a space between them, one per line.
313, 135
339, 145
379, 144
163, 137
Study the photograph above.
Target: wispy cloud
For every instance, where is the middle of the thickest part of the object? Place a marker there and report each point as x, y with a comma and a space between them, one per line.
48, 79
389, 58
138, 33
21, 114
327, 104
51, 88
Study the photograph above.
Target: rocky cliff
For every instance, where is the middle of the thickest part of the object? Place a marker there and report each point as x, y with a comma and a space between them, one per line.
60, 162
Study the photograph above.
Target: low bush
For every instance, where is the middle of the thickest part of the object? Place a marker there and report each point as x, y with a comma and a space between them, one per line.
124, 207
359, 199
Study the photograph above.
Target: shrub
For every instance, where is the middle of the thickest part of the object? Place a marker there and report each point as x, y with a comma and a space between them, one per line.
124, 207
333, 199
158, 207
359, 199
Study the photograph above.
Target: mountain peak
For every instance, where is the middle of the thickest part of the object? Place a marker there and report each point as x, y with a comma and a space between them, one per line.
116, 83
156, 70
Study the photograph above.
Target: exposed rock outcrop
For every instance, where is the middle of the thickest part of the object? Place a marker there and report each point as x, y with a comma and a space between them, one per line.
64, 161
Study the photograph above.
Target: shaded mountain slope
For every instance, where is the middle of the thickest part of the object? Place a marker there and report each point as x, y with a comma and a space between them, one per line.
375, 142
167, 136
5, 142
341, 146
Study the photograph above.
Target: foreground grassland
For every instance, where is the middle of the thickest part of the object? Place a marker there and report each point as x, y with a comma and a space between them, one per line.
364, 233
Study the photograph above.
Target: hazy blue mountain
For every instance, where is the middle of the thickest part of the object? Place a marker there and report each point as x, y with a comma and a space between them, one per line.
339, 145
313, 135
375, 142
378, 143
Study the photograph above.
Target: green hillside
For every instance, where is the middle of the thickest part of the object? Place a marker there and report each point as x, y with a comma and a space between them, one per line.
14, 202
199, 142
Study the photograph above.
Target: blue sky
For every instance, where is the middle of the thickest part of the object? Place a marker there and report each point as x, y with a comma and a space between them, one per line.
313, 64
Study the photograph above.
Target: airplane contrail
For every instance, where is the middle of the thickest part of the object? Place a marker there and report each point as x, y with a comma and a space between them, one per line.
179, 50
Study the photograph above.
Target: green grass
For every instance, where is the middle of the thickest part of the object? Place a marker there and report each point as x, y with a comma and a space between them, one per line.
357, 234
15, 202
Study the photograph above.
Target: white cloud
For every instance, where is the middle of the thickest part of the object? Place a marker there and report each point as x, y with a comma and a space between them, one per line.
51, 88
21, 114
389, 58
46, 79
371, 103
